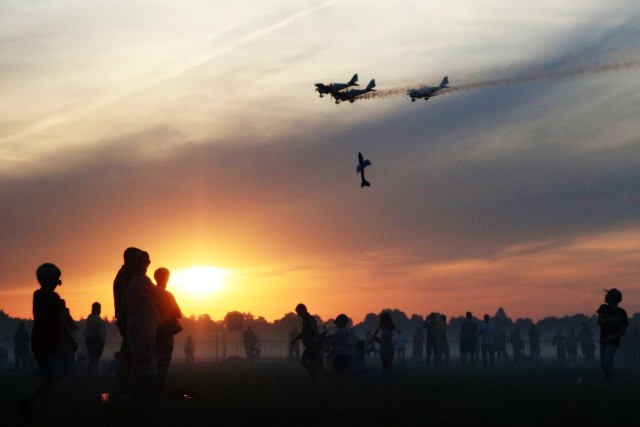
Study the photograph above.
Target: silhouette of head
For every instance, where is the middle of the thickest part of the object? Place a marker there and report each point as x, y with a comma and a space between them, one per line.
162, 277
301, 309
48, 275
130, 254
613, 295
487, 318
469, 315
96, 308
341, 320
139, 263
386, 322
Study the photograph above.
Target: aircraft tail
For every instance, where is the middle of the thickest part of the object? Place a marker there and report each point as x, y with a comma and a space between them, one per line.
365, 183
354, 80
371, 84
445, 82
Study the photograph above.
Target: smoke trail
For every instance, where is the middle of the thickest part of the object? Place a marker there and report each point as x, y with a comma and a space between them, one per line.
559, 74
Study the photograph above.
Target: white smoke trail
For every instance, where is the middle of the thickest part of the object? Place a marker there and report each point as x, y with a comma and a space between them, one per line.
595, 68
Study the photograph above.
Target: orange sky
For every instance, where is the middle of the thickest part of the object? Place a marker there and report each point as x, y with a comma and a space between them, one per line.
193, 131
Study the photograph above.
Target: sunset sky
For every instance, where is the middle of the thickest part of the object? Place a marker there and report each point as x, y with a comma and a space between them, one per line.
192, 130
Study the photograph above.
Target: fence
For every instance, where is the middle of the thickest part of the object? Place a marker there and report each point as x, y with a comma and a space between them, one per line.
279, 350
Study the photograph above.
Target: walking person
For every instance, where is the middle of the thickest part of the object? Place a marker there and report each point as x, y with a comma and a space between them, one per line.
387, 349
487, 332
468, 339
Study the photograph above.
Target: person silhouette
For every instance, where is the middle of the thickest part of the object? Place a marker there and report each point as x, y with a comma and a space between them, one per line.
312, 342
487, 332
167, 328
96, 337
613, 322
47, 336
468, 338
572, 346
516, 344
21, 347
123, 276
189, 349
560, 341
534, 342
250, 343
418, 343
387, 348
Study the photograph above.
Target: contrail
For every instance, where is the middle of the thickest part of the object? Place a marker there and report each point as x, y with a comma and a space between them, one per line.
558, 74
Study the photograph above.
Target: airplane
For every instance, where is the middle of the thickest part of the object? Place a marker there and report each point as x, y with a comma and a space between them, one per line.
350, 95
427, 92
362, 163
323, 89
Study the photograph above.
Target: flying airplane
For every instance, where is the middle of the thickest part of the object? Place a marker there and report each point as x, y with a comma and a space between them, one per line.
323, 89
427, 92
352, 94
362, 163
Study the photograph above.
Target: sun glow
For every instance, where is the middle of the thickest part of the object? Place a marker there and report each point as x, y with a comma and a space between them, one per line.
200, 281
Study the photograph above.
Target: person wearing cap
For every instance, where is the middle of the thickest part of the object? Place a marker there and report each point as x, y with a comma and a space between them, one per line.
341, 342
613, 322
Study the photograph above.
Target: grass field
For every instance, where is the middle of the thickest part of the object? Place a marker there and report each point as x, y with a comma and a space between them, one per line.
279, 393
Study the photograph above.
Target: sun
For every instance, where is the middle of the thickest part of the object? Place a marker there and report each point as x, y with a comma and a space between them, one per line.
199, 281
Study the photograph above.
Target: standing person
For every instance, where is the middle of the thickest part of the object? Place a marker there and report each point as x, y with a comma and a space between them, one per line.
418, 342
21, 347
96, 337
587, 343
487, 332
122, 314
250, 342
430, 325
534, 342
517, 344
312, 342
400, 343
613, 322
167, 328
501, 341
560, 341
142, 324
49, 331
341, 342
442, 343
294, 349
468, 338
572, 346
189, 348
387, 349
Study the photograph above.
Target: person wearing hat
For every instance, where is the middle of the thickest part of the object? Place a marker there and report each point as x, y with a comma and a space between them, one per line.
613, 322
342, 353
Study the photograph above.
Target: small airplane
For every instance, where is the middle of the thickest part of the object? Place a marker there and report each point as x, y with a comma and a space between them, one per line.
323, 89
362, 163
352, 94
427, 92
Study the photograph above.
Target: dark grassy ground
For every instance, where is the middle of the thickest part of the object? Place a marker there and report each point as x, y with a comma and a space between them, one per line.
279, 393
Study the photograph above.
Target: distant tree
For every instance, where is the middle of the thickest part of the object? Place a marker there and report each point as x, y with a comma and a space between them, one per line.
234, 321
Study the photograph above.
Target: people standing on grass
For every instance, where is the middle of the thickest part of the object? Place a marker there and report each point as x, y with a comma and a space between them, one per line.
418, 342
169, 326
442, 342
48, 334
487, 332
572, 346
431, 344
189, 349
96, 338
142, 325
534, 342
122, 314
400, 343
250, 343
516, 344
613, 322
587, 343
341, 343
387, 349
21, 347
560, 341
468, 338
311, 340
